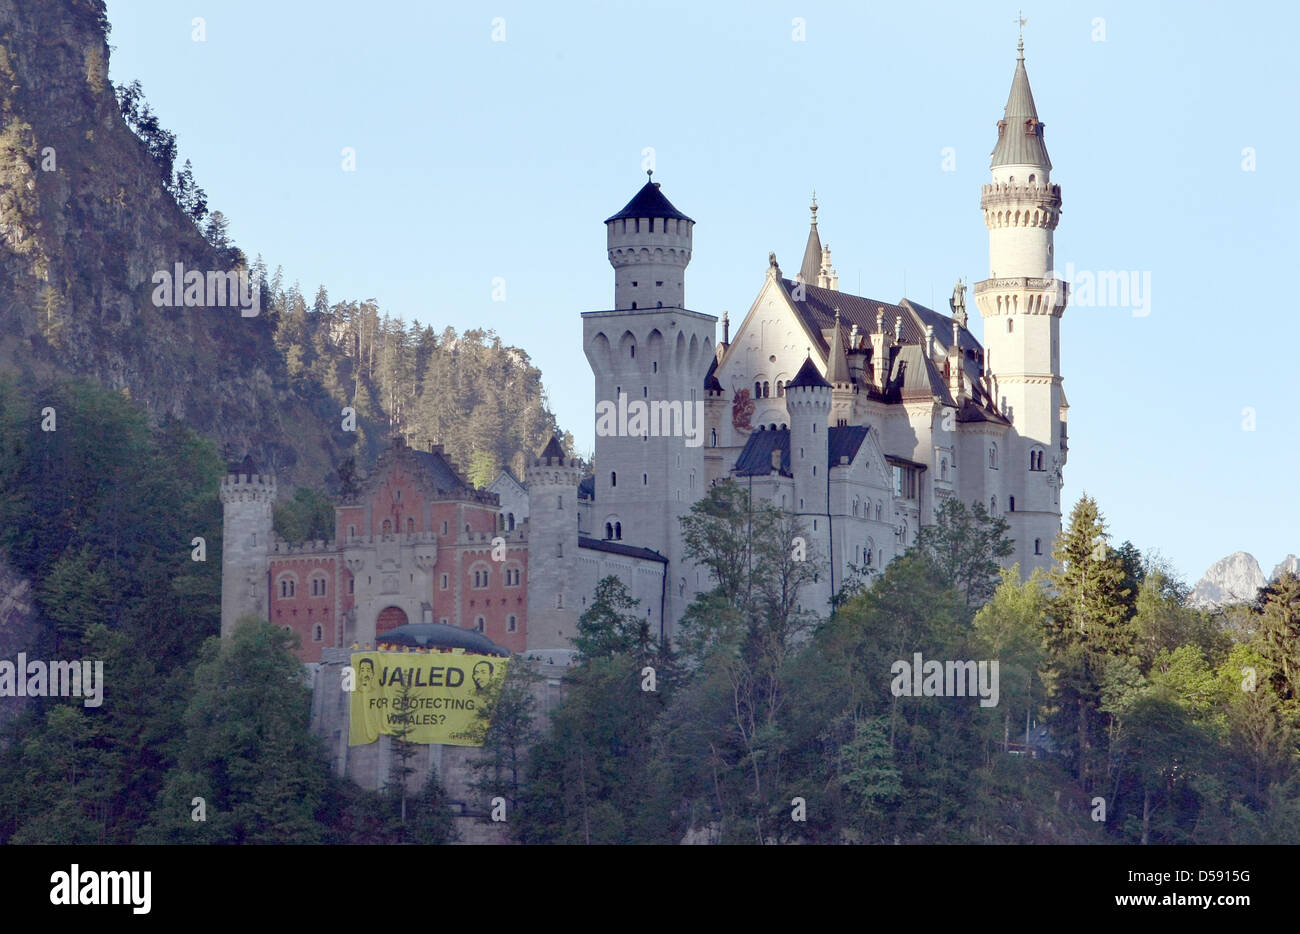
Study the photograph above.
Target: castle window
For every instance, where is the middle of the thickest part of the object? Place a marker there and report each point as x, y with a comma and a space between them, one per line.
352, 585
613, 478
410, 526
288, 585
559, 601
512, 577
559, 549
480, 578
1011, 504
398, 495
645, 392
478, 623
388, 527
510, 521
633, 284
444, 526
645, 479
713, 437
618, 531
634, 306
658, 284
780, 388
352, 532
559, 501
632, 350
512, 624
765, 389
654, 366
758, 390
609, 530
318, 633
1010, 325
318, 586
443, 582
1037, 545
878, 507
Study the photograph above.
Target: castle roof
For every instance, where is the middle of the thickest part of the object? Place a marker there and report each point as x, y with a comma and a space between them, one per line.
1020, 134
618, 548
837, 367
711, 378
808, 376
552, 450
755, 459
812, 254
441, 636
649, 202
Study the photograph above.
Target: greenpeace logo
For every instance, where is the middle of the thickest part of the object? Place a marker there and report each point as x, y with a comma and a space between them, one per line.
657, 419
932, 678
102, 888
178, 287
53, 679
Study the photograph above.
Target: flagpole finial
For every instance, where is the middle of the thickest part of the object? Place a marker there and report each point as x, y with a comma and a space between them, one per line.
1020, 45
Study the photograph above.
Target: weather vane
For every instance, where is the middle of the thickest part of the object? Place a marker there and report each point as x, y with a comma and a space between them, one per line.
1021, 21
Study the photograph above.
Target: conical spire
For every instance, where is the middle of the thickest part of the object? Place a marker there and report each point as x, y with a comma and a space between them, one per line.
1020, 134
812, 254
837, 366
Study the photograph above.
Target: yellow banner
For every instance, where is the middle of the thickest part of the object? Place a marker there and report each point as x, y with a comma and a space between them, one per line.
435, 697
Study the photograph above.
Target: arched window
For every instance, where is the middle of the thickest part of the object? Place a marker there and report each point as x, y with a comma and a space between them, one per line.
618, 531
713, 437
765, 389
780, 388
878, 508
1037, 545
288, 586
512, 624
758, 390
410, 526
317, 585
318, 633
1011, 504
613, 478
478, 623
609, 530
388, 527
1010, 325
510, 521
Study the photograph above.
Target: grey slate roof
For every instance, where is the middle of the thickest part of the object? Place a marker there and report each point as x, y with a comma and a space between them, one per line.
618, 548
837, 368
711, 378
441, 636
552, 450
808, 375
755, 459
649, 202
444, 477
1020, 135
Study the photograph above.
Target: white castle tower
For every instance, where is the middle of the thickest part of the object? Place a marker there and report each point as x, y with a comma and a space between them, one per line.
554, 598
246, 500
808, 401
1022, 303
650, 355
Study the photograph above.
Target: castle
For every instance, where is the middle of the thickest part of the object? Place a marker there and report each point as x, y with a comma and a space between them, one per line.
860, 416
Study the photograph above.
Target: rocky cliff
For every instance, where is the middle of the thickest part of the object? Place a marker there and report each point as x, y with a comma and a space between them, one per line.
86, 221
1236, 579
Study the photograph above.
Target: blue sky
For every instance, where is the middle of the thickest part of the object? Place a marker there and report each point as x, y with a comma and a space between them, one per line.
478, 159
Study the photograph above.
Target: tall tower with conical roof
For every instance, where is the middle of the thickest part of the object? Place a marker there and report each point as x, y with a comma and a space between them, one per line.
649, 356
812, 254
1022, 303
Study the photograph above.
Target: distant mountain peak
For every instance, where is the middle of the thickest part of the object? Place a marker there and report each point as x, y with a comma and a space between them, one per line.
1234, 579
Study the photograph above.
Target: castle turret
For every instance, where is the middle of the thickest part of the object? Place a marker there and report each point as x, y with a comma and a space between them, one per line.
649, 248
553, 599
808, 400
650, 357
1022, 303
246, 500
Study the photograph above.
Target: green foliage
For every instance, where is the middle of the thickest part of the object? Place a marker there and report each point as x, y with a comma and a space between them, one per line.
966, 546
309, 516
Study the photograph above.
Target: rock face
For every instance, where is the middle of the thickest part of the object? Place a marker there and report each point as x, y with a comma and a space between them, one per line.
86, 221
1233, 579
1290, 563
